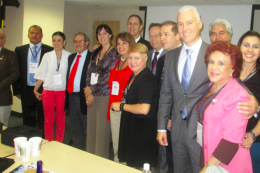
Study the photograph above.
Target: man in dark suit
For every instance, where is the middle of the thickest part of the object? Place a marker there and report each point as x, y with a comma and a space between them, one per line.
134, 27
29, 58
183, 86
75, 97
9, 72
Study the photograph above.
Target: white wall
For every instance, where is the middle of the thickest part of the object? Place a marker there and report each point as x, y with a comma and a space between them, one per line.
239, 17
77, 19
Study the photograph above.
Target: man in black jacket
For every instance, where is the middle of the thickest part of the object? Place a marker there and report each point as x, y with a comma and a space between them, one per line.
75, 97
29, 57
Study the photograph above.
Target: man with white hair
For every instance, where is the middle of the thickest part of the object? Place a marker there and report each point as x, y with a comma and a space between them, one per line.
183, 85
220, 29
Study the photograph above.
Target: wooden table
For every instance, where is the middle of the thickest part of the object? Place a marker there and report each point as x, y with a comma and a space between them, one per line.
62, 158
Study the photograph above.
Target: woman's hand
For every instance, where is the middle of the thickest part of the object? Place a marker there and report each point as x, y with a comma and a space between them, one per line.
248, 108
87, 91
37, 95
115, 106
89, 100
248, 142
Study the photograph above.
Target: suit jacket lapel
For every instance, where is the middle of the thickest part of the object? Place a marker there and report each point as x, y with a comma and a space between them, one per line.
176, 62
2, 57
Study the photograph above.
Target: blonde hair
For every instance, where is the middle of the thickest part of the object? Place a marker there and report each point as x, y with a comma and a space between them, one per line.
139, 48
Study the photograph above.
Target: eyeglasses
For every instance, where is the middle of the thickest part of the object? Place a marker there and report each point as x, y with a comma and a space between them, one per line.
78, 41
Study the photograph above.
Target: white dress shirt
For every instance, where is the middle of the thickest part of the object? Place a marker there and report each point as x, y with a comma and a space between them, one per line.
183, 56
136, 40
48, 67
158, 56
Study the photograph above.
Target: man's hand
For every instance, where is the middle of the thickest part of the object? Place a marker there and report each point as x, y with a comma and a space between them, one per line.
248, 142
169, 124
115, 106
162, 138
95, 47
18, 96
248, 108
38, 95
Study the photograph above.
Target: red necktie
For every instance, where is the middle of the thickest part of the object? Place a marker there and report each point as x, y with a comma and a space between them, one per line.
72, 75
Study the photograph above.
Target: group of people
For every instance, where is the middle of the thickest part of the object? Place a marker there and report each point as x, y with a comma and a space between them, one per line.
200, 102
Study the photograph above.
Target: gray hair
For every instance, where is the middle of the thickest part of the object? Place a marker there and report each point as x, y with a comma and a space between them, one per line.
81, 33
194, 9
224, 22
3, 32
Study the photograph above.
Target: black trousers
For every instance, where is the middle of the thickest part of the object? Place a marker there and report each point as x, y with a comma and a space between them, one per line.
32, 108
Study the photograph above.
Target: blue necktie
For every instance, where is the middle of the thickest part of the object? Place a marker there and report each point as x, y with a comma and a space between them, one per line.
33, 60
186, 74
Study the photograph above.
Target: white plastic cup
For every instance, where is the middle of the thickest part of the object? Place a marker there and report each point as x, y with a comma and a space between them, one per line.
25, 150
36, 145
16, 144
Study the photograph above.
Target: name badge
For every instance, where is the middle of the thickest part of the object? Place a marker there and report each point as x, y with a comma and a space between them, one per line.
57, 79
199, 133
115, 88
33, 67
94, 78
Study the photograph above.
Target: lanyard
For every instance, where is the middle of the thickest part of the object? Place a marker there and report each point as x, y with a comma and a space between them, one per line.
121, 65
250, 75
58, 64
202, 107
99, 57
35, 56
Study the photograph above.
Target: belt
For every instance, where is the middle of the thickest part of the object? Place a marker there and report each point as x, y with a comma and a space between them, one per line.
76, 93
30, 86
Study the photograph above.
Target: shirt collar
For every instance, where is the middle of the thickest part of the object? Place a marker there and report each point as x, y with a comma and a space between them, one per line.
195, 47
38, 45
136, 40
83, 54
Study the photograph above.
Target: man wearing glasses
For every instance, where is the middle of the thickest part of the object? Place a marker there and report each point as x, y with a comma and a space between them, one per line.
75, 97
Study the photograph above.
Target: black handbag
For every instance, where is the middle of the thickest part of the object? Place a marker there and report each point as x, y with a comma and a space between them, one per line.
9, 134
5, 163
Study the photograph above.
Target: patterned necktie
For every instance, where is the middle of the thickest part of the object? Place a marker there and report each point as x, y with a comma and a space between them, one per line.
186, 74
33, 60
73, 72
154, 62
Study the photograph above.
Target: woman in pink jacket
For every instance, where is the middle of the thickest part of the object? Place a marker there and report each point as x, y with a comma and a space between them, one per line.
223, 127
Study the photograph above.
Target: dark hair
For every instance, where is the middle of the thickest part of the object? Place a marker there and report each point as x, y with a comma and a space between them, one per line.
106, 27
250, 34
135, 15
227, 49
35, 26
154, 24
173, 24
126, 37
60, 34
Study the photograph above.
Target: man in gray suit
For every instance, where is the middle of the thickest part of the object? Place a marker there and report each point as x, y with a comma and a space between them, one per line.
183, 85
155, 41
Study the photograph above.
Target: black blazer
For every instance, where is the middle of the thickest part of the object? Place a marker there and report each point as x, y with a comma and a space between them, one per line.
159, 71
146, 43
9, 73
83, 105
20, 86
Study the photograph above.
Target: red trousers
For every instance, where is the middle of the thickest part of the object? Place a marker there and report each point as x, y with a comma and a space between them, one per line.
50, 99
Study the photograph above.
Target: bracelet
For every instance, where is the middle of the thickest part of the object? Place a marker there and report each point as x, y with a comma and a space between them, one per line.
122, 107
207, 164
253, 133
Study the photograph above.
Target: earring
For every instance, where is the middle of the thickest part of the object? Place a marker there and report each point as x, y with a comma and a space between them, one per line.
230, 75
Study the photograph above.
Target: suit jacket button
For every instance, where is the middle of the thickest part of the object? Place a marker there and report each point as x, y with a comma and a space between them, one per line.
180, 112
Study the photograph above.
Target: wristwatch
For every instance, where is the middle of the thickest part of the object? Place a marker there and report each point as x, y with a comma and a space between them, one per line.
253, 133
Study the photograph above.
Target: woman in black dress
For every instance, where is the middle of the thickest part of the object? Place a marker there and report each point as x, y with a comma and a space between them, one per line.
138, 128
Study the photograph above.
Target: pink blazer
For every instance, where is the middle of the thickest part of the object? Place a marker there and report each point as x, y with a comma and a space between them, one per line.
222, 120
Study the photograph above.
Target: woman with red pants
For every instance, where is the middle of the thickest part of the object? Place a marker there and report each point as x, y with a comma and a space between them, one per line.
52, 73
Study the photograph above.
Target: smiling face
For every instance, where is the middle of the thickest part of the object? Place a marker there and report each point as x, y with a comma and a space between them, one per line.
250, 49
219, 68
154, 38
35, 35
122, 47
136, 62
169, 40
58, 42
103, 37
218, 33
80, 44
134, 27
188, 27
